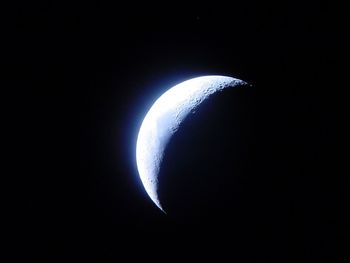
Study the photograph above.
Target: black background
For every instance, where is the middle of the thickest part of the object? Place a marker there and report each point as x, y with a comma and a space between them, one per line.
85, 74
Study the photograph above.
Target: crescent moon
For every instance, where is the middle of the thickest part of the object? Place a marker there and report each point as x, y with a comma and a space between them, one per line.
164, 119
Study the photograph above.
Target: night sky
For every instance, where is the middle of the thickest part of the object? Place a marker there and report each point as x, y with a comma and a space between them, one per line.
86, 73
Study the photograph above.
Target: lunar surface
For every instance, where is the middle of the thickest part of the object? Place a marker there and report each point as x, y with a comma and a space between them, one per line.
163, 120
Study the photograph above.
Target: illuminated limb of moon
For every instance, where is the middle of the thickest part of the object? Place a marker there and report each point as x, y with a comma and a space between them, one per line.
164, 119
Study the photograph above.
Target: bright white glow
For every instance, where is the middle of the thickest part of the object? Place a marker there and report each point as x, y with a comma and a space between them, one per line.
164, 119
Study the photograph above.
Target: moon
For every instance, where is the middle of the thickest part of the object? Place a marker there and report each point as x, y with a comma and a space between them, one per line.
164, 118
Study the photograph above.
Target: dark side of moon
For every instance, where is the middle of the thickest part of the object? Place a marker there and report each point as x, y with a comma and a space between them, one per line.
210, 158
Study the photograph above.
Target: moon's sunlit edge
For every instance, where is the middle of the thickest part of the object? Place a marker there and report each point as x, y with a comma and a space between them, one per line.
176, 103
